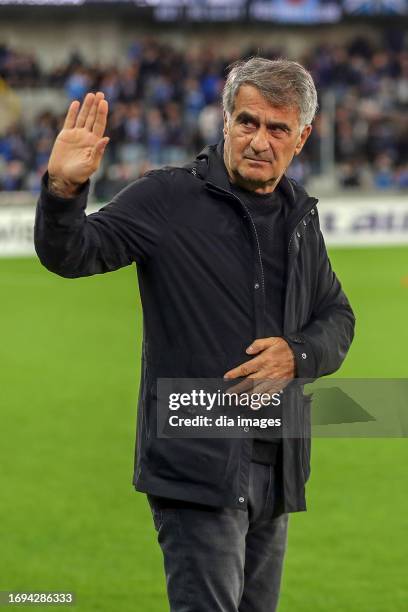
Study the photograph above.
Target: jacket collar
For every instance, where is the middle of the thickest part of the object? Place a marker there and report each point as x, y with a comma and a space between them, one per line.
211, 168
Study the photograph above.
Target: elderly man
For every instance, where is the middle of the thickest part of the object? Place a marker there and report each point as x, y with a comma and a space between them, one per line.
235, 282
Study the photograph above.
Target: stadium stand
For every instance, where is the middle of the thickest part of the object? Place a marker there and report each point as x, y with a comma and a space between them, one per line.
165, 105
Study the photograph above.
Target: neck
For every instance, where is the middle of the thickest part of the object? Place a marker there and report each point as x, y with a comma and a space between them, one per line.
255, 186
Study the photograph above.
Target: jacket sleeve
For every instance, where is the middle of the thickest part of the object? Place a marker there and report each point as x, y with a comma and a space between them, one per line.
128, 229
320, 347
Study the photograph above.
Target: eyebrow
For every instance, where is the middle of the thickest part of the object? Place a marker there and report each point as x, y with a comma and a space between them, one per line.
245, 116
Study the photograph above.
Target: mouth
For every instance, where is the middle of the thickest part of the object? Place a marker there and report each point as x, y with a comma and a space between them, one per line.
257, 161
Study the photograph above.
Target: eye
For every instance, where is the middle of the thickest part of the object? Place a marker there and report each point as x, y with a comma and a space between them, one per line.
278, 130
246, 122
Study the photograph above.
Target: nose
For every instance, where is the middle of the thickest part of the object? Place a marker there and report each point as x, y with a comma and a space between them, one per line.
260, 142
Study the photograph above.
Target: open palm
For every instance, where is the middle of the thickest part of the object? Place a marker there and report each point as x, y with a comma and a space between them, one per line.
79, 147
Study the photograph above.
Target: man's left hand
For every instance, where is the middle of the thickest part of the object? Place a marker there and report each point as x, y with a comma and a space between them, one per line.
274, 360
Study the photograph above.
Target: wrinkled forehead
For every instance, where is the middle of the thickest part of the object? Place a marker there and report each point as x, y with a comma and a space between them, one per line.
250, 100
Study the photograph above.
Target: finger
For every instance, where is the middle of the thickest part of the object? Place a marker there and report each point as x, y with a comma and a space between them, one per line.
262, 386
249, 367
90, 120
248, 384
71, 115
101, 118
260, 344
268, 387
84, 112
245, 385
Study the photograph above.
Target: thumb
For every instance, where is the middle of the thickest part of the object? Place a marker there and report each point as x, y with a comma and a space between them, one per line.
99, 148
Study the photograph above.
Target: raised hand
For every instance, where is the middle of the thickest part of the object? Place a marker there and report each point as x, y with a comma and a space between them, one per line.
79, 147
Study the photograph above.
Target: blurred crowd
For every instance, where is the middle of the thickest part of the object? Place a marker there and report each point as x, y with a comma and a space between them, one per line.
165, 106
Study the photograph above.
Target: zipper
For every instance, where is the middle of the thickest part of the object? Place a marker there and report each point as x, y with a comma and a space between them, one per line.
298, 220
229, 193
257, 244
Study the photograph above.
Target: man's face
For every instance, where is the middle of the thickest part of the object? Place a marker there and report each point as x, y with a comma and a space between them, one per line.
260, 140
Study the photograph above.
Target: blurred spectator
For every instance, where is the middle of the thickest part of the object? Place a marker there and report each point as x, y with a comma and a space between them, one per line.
194, 101
175, 134
383, 172
12, 178
129, 83
156, 136
349, 175
134, 124
110, 85
354, 174
19, 69
13, 146
77, 84
210, 122
114, 179
401, 177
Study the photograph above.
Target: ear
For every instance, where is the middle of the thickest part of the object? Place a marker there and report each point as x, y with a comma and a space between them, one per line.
302, 138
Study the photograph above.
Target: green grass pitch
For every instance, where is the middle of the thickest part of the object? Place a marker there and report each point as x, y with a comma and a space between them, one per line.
69, 517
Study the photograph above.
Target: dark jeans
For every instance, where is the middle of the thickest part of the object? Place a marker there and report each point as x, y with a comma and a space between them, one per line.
221, 559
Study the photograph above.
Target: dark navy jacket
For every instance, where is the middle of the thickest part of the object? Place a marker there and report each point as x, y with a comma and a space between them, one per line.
201, 283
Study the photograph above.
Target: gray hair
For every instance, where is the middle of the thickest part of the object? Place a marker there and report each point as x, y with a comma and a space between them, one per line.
282, 82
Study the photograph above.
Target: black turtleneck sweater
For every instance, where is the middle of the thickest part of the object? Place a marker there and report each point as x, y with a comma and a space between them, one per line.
269, 213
